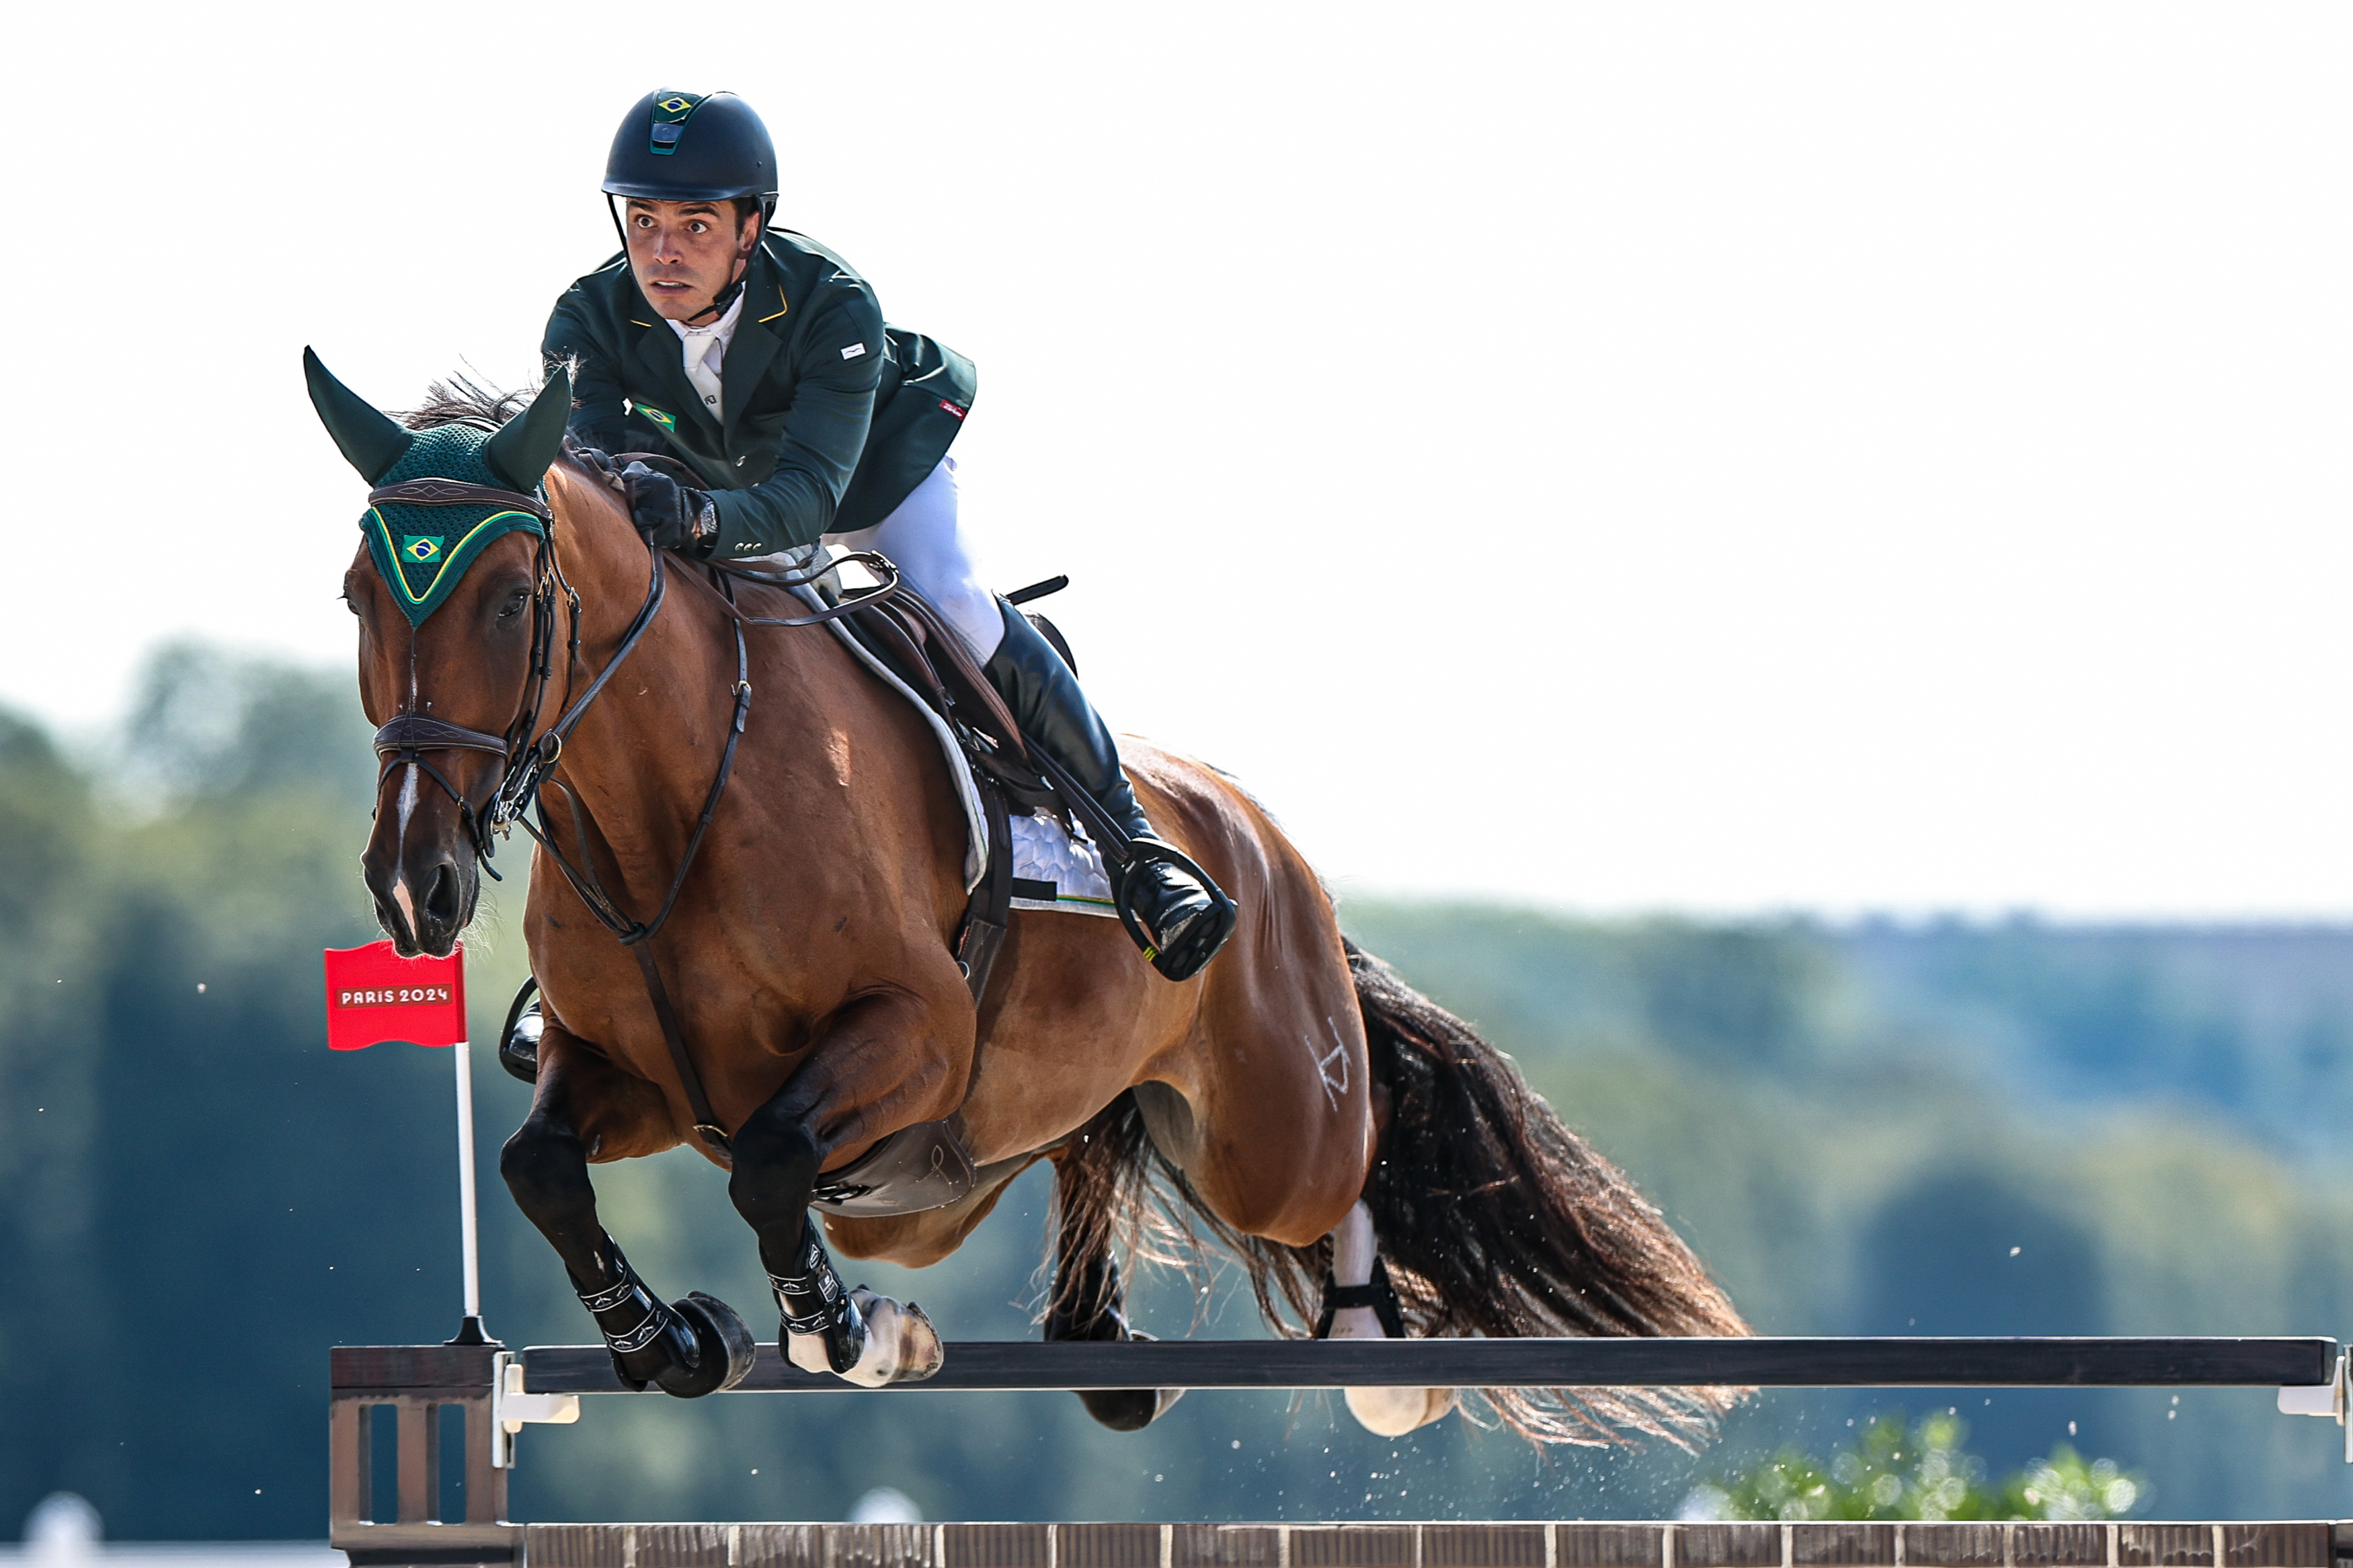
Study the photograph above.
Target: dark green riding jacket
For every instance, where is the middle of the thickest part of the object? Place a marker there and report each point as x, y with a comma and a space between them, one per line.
832, 416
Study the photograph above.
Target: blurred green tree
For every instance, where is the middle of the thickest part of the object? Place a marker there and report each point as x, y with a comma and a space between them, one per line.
1897, 1470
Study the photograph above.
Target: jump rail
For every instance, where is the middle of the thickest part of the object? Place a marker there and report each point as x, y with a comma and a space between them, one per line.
998, 1365
494, 1393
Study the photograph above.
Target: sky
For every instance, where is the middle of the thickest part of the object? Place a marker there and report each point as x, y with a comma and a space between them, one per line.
1718, 458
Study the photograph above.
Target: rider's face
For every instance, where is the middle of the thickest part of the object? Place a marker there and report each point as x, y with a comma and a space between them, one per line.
684, 253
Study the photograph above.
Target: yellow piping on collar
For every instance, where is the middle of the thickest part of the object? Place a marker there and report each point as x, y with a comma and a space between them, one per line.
635, 323
782, 305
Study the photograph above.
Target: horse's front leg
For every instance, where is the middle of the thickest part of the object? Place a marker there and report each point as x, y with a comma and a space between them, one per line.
584, 1108
879, 1066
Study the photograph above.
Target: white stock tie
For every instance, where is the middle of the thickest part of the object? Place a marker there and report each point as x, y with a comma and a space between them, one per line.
701, 350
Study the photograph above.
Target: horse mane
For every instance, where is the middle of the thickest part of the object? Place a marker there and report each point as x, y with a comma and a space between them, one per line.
462, 400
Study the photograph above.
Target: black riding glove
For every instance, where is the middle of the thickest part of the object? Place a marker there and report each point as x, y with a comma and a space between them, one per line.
668, 514
598, 459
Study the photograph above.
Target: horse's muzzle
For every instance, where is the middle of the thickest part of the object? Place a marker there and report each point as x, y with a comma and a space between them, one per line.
425, 897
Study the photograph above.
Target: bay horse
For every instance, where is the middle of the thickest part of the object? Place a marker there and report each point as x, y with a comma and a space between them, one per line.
1377, 1167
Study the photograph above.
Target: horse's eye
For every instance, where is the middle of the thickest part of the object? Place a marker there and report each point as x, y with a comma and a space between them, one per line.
513, 606
346, 597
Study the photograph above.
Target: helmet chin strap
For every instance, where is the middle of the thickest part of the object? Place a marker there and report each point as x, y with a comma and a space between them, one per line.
718, 302
725, 297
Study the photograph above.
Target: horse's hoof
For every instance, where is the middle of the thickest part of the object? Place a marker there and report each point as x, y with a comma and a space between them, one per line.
1394, 1411
1129, 1409
722, 1348
902, 1346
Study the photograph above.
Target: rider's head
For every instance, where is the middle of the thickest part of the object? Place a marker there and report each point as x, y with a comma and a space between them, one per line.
696, 180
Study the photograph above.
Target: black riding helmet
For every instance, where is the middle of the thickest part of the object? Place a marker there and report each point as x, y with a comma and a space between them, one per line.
692, 147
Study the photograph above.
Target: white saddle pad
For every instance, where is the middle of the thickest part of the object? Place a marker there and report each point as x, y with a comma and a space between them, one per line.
1044, 852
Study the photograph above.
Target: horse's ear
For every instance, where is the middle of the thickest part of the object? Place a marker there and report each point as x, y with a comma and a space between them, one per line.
370, 442
526, 443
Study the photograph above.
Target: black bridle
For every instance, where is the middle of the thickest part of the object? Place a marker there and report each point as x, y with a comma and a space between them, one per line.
530, 755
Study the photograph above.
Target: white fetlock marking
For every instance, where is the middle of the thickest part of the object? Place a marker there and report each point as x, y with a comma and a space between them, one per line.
1353, 1248
901, 1344
807, 1352
1384, 1412
1394, 1411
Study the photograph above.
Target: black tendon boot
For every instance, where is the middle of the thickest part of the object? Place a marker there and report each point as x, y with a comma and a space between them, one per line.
1188, 917
687, 1348
810, 1300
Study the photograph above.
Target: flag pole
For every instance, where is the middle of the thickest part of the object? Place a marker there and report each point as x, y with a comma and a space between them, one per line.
470, 1331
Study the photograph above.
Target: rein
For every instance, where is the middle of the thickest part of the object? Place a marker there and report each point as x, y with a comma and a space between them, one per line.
530, 760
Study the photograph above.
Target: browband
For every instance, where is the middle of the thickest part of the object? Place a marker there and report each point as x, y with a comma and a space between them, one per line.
415, 732
458, 492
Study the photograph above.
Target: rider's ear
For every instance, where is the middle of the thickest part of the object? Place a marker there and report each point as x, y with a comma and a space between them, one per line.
526, 443
370, 442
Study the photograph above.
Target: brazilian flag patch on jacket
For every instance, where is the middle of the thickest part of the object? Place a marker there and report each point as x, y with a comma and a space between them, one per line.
424, 551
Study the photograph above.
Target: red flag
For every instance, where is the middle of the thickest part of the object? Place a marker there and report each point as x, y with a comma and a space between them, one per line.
374, 994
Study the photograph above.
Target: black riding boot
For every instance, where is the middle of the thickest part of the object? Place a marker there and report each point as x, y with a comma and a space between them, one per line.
1188, 920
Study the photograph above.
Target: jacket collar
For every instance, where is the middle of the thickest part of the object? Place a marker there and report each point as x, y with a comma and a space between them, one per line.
758, 335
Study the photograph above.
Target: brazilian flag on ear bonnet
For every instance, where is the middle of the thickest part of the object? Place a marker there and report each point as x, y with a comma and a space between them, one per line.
423, 550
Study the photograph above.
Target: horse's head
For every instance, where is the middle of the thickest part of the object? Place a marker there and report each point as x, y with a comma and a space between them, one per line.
444, 585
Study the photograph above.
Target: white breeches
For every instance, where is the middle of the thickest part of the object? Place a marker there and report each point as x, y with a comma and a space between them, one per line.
924, 540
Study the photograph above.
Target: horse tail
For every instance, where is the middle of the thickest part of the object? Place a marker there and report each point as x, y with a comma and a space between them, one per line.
1498, 1221
1494, 1219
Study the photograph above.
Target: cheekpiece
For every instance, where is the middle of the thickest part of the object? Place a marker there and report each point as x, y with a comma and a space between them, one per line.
422, 547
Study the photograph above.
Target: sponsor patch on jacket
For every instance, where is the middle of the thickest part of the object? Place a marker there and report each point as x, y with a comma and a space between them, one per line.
853, 351
951, 408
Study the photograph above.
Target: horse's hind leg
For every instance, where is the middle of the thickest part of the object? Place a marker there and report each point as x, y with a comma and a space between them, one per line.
584, 1106
1088, 1300
1359, 1305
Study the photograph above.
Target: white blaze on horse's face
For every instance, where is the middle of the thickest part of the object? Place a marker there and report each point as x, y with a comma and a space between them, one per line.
684, 253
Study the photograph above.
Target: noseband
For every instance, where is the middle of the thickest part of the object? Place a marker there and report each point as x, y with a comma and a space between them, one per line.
530, 759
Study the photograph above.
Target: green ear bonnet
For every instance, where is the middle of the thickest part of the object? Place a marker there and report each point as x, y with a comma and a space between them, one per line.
424, 551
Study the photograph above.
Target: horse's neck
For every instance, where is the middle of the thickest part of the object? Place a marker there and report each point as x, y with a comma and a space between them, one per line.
646, 749
630, 789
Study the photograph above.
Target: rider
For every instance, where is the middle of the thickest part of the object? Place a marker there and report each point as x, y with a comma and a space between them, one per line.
760, 360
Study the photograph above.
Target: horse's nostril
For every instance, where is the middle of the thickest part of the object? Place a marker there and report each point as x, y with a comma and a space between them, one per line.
441, 899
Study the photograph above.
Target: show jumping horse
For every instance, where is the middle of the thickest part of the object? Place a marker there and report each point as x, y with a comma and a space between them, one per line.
1338, 1130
